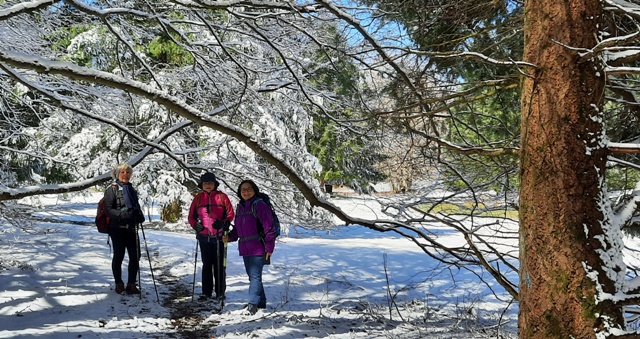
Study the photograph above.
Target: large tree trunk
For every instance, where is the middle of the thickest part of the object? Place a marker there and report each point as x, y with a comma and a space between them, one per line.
563, 160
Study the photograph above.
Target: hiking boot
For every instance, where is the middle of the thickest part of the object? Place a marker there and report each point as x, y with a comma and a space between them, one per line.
217, 307
119, 288
132, 289
204, 297
252, 309
263, 306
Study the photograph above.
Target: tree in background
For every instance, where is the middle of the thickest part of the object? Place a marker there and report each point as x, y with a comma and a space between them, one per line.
563, 206
235, 78
563, 160
342, 141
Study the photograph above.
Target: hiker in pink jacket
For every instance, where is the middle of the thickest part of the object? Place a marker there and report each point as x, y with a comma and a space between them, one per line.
210, 215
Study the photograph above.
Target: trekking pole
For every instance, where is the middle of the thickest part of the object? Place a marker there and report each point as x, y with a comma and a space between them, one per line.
226, 234
224, 262
195, 267
150, 267
226, 244
219, 281
139, 254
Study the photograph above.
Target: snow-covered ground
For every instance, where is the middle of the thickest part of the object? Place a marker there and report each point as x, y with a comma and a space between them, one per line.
56, 282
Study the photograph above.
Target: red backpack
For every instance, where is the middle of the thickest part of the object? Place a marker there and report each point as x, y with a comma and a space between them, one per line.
102, 219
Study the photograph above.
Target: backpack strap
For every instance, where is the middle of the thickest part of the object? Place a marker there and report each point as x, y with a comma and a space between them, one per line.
259, 227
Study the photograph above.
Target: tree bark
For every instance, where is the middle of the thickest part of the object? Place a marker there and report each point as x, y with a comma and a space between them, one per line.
562, 167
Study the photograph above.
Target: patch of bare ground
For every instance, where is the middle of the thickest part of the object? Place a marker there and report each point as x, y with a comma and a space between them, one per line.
189, 317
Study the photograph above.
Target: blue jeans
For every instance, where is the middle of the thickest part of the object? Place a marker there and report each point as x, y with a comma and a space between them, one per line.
253, 265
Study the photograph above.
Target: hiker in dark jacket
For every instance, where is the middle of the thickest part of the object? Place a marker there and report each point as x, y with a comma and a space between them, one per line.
123, 208
210, 214
254, 246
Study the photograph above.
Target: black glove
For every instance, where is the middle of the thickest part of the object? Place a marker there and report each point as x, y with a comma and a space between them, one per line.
125, 214
218, 224
198, 226
140, 217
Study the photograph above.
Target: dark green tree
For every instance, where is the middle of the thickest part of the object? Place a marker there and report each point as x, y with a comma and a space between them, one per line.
344, 142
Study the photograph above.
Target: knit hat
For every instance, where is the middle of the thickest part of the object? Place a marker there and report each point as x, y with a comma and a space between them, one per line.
208, 177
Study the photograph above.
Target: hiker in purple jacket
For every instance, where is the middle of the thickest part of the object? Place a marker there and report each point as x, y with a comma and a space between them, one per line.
255, 243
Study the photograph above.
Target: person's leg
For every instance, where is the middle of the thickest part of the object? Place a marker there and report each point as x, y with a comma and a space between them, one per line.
263, 298
253, 265
119, 246
207, 251
220, 271
134, 260
133, 251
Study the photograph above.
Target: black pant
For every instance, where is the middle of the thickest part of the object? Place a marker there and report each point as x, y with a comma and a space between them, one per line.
212, 253
122, 239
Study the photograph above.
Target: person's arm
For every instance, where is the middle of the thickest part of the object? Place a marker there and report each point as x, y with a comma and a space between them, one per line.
110, 203
231, 236
266, 219
191, 218
233, 233
229, 207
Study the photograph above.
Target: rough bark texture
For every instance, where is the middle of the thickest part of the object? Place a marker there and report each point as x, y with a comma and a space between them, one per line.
562, 159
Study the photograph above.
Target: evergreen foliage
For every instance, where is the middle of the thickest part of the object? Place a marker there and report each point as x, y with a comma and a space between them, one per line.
165, 51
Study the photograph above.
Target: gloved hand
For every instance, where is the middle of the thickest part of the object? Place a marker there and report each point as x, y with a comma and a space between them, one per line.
218, 224
125, 214
221, 224
199, 227
140, 217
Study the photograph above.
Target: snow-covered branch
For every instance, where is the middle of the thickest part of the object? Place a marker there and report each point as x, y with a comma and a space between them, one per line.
24, 7
478, 56
618, 147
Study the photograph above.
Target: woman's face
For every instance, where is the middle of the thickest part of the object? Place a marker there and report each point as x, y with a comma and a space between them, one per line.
125, 175
208, 186
246, 191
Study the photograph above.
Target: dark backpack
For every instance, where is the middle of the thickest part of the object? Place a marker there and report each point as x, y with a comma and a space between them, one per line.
276, 222
102, 219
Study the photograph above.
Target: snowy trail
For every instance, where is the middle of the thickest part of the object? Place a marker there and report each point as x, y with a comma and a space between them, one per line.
188, 317
56, 282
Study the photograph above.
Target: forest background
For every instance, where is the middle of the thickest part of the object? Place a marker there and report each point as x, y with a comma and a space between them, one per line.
526, 112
